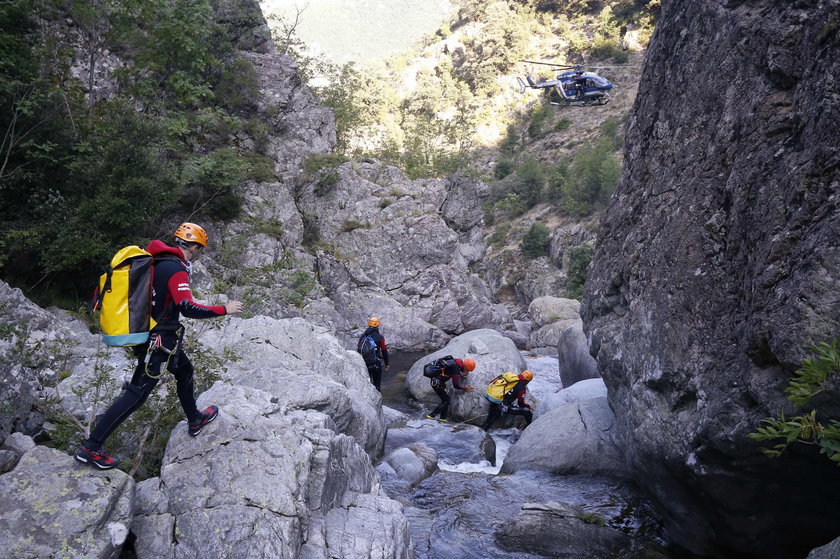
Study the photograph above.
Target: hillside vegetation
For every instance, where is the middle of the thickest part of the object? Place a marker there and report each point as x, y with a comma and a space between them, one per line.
453, 105
84, 169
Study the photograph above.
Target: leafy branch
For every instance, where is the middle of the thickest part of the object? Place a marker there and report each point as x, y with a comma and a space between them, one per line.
815, 376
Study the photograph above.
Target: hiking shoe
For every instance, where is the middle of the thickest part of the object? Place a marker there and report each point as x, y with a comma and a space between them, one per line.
430, 416
206, 417
98, 458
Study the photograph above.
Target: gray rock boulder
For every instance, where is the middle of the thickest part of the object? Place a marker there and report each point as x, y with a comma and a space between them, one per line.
573, 438
550, 317
718, 264
306, 368
278, 482
583, 390
36, 347
831, 550
575, 361
410, 464
562, 530
51, 506
454, 443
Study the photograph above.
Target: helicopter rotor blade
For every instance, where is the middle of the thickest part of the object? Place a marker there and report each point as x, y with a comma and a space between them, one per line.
550, 64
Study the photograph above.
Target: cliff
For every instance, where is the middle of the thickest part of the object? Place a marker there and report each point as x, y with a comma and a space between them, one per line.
717, 264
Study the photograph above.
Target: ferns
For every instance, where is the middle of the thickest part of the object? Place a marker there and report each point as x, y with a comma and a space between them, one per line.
812, 378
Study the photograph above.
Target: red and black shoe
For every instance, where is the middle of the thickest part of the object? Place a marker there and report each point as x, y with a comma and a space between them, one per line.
204, 418
98, 458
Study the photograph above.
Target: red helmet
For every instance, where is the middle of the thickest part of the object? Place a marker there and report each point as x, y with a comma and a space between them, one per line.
469, 364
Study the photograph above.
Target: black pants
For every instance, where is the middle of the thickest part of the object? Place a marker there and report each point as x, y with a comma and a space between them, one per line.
440, 389
375, 372
495, 412
136, 393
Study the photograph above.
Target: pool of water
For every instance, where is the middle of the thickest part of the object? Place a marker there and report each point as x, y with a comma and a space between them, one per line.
455, 512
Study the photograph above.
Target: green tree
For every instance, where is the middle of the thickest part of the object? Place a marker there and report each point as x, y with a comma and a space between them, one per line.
536, 240
577, 259
593, 176
531, 177
501, 44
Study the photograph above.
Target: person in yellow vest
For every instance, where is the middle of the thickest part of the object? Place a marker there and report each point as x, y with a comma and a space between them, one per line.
505, 390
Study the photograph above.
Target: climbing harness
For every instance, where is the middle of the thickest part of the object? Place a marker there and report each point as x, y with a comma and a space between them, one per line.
157, 345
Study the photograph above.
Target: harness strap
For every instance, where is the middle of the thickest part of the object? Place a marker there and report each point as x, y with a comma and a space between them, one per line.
157, 345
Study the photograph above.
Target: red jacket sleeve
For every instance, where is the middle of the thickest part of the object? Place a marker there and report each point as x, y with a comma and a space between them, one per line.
179, 290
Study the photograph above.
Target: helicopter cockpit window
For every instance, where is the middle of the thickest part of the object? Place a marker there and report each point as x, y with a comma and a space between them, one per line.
598, 81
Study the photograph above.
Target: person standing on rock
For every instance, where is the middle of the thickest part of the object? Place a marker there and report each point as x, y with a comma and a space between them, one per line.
501, 393
171, 297
440, 371
374, 351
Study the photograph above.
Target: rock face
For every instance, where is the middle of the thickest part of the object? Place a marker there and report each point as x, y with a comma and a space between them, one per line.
36, 346
718, 261
561, 530
285, 471
50, 506
573, 438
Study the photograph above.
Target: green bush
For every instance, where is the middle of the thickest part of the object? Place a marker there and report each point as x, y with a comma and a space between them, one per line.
531, 175
816, 375
238, 85
536, 241
562, 124
593, 175
511, 204
577, 262
511, 142
503, 168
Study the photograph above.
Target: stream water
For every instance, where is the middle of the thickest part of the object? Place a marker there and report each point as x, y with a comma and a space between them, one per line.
455, 512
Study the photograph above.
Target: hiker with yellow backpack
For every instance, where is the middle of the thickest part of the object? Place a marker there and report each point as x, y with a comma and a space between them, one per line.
502, 392
166, 288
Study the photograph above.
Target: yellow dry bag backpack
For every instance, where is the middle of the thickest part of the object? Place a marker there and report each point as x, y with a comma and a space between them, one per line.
124, 298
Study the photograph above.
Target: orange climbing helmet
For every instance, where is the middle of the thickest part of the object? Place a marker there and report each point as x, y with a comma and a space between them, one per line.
469, 364
373, 322
526, 375
192, 233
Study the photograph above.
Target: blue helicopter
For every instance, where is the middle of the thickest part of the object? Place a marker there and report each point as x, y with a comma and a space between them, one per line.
575, 86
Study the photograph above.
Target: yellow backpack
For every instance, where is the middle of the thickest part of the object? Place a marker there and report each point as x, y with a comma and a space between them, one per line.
124, 298
500, 386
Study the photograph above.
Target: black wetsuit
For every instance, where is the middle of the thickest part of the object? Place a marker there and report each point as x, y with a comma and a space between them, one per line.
171, 298
495, 411
447, 371
375, 370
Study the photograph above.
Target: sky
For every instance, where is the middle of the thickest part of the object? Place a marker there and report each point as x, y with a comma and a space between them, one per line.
361, 30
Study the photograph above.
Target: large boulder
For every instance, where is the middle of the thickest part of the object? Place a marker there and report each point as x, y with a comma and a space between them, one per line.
51, 506
718, 263
276, 481
573, 438
550, 317
575, 361
305, 367
37, 347
562, 530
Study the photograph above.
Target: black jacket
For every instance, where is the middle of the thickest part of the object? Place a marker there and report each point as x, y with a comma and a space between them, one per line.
381, 347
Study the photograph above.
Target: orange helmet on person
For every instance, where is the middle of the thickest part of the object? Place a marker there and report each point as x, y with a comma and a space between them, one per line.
191, 233
469, 364
526, 375
373, 322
